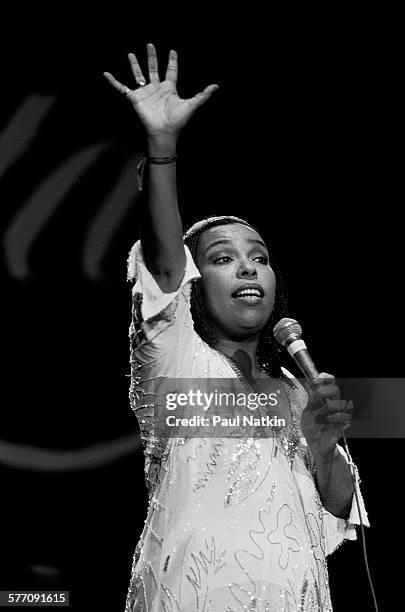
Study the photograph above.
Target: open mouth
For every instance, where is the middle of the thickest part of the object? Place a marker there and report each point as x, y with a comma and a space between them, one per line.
249, 293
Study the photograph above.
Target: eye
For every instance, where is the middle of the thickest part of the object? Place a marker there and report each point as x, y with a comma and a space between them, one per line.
223, 259
262, 259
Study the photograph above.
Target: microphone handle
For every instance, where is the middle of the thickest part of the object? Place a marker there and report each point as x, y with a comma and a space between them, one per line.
299, 353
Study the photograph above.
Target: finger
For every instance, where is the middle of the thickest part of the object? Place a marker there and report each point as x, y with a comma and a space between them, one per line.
338, 406
203, 96
172, 67
323, 379
341, 418
136, 69
119, 86
152, 64
328, 387
328, 407
326, 391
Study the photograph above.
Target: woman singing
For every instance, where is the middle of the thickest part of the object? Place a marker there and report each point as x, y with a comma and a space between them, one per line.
238, 522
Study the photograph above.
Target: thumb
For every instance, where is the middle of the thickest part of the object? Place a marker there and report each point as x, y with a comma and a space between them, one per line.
202, 97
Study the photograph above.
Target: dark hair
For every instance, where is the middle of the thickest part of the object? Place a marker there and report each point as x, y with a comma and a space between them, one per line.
268, 351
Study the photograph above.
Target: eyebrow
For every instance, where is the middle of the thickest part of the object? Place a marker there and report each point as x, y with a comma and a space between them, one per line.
227, 241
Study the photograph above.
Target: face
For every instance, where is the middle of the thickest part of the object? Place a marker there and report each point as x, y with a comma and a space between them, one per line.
237, 281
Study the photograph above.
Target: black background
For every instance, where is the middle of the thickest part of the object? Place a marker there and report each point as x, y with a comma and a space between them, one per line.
301, 139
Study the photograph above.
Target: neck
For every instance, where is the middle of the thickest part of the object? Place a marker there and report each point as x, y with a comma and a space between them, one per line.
241, 351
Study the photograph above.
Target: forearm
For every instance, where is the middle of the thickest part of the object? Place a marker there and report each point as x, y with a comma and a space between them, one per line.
163, 114
334, 482
161, 228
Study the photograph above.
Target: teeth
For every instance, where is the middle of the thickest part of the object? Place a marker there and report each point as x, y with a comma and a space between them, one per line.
248, 292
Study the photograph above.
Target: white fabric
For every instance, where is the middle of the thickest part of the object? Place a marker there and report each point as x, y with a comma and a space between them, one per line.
233, 524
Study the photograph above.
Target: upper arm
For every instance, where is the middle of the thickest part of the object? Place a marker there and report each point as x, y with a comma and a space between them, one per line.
157, 308
168, 282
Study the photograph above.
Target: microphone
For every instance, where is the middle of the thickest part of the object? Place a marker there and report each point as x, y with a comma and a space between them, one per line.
288, 333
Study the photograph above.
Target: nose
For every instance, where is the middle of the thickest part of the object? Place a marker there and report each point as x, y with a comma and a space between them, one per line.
247, 269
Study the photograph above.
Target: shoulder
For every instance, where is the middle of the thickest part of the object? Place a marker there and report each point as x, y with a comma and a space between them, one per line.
152, 299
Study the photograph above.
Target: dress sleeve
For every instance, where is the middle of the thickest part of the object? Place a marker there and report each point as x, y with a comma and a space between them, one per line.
154, 311
162, 345
338, 529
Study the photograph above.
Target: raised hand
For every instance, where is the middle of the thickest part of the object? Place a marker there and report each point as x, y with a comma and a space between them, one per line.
157, 103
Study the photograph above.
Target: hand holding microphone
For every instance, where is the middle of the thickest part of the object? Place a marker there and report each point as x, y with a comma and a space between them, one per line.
326, 415
323, 422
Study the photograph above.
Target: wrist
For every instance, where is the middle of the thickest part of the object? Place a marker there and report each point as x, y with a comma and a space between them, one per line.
325, 457
162, 145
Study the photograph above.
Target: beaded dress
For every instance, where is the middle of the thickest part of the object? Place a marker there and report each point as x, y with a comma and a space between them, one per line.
233, 524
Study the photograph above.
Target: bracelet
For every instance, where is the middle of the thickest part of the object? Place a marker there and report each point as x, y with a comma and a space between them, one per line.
140, 167
161, 160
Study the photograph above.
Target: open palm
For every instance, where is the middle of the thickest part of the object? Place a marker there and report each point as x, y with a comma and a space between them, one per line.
157, 103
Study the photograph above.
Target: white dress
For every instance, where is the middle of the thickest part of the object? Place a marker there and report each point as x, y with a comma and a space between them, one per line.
233, 524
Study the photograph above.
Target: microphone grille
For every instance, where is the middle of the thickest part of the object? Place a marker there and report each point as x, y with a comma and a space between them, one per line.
287, 329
